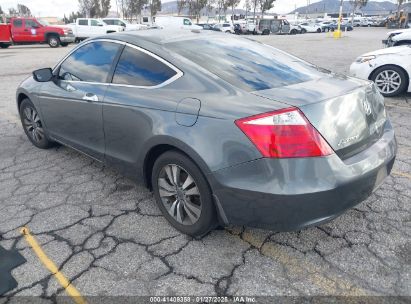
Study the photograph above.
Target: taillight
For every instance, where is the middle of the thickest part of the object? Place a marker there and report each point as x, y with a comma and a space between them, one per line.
284, 134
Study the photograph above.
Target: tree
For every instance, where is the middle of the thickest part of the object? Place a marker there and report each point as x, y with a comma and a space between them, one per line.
105, 8
254, 5
195, 7
1, 11
23, 10
181, 4
266, 5
155, 6
233, 4
357, 4
13, 11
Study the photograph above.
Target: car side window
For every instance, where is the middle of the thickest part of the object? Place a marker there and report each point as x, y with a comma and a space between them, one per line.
94, 22
30, 23
187, 22
18, 23
83, 22
141, 69
91, 62
109, 22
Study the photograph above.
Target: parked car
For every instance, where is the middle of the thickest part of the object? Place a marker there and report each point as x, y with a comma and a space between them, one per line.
224, 27
206, 26
127, 26
390, 69
251, 26
29, 30
310, 27
343, 27
398, 37
238, 29
326, 25
173, 22
89, 27
274, 148
273, 26
295, 29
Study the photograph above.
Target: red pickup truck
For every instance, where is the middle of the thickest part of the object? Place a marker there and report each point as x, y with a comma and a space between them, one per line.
28, 30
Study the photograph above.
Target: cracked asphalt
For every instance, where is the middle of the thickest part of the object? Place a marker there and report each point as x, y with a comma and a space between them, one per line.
107, 236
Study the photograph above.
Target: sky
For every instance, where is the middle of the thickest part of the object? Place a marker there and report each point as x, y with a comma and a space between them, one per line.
43, 8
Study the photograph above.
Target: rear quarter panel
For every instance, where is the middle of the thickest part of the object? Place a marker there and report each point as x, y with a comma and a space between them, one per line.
5, 33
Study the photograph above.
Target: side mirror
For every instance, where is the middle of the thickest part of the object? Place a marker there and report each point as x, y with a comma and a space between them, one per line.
43, 75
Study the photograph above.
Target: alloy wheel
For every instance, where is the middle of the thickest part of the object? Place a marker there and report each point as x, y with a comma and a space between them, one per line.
32, 124
53, 41
388, 81
179, 194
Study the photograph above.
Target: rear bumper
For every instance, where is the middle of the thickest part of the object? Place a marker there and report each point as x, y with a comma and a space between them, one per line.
290, 194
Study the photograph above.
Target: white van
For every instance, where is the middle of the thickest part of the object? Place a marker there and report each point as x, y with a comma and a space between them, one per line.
176, 23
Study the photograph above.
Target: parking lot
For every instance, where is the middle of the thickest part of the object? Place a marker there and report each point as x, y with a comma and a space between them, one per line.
108, 238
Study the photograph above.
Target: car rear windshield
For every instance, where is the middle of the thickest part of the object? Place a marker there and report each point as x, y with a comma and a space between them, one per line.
246, 64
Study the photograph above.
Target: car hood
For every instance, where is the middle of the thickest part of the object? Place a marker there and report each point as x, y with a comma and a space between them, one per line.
397, 50
402, 36
399, 32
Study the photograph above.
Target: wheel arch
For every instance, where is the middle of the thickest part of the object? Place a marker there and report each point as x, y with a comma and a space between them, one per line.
155, 151
20, 97
48, 34
389, 65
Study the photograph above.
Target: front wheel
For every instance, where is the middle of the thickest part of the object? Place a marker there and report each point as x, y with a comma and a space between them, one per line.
303, 31
319, 30
183, 194
64, 44
390, 80
53, 41
33, 126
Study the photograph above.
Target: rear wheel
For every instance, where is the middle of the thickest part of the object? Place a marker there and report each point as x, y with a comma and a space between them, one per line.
182, 194
33, 126
303, 31
266, 32
293, 32
4, 45
319, 30
390, 80
53, 41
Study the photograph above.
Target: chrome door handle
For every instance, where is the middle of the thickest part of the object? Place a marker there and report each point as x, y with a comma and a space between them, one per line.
90, 97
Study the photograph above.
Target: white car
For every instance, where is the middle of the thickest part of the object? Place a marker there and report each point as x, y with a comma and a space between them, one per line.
125, 24
174, 22
88, 27
398, 37
389, 68
224, 27
310, 27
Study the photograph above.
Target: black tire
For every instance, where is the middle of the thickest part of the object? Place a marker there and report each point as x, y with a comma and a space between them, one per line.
41, 141
4, 45
402, 74
266, 32
207, 220
319, 30
293, 32
303, 31
53, 41
64, 44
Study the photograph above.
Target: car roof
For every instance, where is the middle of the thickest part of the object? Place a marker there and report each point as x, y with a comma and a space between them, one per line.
159, 36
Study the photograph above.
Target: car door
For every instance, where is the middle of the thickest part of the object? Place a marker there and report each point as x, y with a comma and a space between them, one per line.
72, 104
83, 28
18, 30
32, 31
135, 102
97, 28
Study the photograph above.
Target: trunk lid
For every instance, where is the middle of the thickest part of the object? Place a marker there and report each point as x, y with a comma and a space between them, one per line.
349, 113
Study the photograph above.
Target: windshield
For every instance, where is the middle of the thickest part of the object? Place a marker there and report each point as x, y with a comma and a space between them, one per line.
246, 64
43, 22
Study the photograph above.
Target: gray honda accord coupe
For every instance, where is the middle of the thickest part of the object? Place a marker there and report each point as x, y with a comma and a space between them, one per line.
224, 130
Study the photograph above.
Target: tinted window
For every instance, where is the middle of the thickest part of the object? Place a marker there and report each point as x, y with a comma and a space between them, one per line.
145, 19
140, 69
246, 64
18, 23
187, 22
83, 22
30, 23
109, 22
94, 22
91, 62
